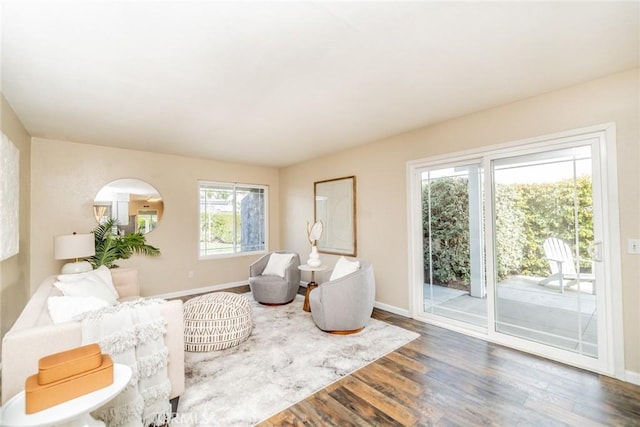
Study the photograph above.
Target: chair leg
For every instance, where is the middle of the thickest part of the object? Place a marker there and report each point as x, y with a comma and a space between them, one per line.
545, 281
561, 278
174, 405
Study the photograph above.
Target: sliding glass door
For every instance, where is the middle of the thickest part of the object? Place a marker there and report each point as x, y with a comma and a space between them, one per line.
509, 244
543, 214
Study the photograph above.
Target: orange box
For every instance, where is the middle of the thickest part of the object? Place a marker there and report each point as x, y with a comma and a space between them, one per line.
39, 397
58, 366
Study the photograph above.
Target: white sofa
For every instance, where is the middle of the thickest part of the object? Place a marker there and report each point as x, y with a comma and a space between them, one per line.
34, 335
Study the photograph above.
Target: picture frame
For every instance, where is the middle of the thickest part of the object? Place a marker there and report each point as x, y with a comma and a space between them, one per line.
335, 206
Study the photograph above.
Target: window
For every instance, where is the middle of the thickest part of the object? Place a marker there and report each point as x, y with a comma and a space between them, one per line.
232, 218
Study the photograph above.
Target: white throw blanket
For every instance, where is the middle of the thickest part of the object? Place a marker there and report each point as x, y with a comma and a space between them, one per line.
132, 334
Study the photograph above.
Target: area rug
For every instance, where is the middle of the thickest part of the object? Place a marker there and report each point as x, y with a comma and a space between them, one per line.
286, 359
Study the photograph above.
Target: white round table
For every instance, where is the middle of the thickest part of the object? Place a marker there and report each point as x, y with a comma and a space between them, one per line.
75, 412
305, 267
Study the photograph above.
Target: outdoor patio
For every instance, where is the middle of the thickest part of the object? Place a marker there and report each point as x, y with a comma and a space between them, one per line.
526, 309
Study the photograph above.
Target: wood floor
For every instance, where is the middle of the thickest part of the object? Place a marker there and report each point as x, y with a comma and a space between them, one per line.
448, 379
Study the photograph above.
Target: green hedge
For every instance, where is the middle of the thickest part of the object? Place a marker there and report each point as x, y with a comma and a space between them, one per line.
220, 225
449, 231
510, 231
549, 211
526, 214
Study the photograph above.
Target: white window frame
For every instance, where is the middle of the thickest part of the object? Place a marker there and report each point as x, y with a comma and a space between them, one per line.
233, 186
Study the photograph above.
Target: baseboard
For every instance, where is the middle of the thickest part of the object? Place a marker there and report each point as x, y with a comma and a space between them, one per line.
202, 290
632, 377
206, 289
392, 309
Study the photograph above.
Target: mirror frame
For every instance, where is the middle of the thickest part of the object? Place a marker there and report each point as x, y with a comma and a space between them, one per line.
344, 241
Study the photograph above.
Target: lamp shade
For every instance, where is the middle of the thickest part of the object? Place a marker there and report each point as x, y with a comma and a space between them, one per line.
73, 246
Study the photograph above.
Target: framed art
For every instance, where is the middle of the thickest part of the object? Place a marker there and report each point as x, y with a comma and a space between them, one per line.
9, 198
335, 206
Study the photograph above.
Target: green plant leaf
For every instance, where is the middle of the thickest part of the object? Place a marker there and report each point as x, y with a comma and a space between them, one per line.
111, 247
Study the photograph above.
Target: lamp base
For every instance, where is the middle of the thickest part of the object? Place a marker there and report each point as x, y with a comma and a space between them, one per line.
76, 267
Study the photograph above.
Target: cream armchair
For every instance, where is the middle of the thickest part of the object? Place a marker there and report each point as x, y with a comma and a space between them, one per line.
345, 305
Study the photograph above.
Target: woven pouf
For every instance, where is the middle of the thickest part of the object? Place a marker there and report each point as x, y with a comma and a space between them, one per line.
216, 321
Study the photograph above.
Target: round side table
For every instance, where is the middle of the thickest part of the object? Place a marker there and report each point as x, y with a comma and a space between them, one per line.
312, 284
75, 412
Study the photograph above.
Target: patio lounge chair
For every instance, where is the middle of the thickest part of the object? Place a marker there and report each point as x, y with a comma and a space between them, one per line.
562, 266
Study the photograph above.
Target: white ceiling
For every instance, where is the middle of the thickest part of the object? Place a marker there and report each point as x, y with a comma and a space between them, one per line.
275, 83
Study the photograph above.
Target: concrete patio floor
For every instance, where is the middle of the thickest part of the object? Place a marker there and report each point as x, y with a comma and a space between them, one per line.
528, 310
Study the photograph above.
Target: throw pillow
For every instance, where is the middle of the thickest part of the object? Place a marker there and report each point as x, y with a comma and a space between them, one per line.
344, 267
64, 309
101, 275
89, 285
277, 264
105, 274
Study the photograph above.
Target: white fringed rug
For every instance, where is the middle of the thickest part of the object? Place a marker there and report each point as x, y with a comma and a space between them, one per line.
286, 359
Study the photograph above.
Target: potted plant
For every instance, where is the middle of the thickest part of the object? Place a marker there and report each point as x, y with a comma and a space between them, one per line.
111, 247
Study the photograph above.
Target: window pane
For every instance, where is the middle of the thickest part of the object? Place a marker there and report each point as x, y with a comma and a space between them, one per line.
250, 219
454, 280
543, 230
232, 219
216, 220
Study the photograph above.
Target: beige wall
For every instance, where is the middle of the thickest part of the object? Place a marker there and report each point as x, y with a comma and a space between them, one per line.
14, 271
380, 169
67, 176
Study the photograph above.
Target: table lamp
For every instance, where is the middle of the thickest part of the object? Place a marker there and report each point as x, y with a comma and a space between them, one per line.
74, 246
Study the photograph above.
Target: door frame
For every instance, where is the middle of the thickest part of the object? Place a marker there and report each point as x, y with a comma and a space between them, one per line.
611, 363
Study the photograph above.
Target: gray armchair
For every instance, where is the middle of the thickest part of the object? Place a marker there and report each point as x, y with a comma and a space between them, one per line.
272, 289
345, 305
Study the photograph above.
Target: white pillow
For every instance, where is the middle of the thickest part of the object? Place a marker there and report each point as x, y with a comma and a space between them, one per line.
88, 286
64, 309
100, 275
105, 274
344, 267
277, 264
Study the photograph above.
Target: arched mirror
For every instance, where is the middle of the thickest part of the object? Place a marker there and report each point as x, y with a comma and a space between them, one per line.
136, 204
